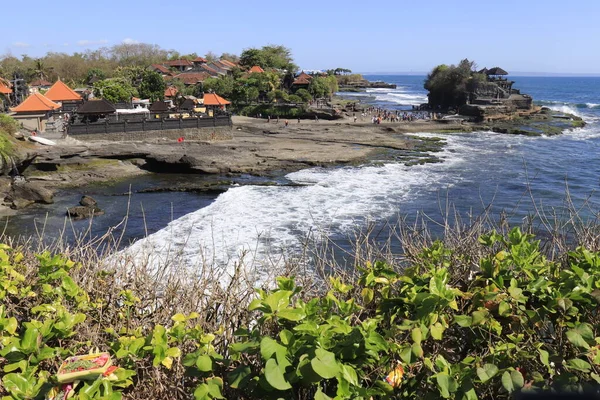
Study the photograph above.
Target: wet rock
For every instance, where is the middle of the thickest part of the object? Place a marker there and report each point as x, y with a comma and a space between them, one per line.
26, 193
19, 204
88, 201
81, 212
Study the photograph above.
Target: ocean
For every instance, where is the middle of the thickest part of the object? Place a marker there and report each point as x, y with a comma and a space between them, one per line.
513, 176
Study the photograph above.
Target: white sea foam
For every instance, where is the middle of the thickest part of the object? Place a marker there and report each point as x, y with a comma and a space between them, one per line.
261, 220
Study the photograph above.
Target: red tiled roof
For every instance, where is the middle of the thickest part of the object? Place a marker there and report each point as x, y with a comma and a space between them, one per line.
228, 63
36, 103
213, 99
200, 60
301, 81
161, 68
61, 92
222, 65
171, 91
192, 78
40, 82
4, 89
210, 70
256, 69
178, 63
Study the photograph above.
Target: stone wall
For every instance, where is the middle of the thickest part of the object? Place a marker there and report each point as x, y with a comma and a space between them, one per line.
206, 134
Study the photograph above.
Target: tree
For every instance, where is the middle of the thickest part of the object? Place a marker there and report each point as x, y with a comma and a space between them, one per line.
115, 90
304, 95
449, 86
234, 58
211, 56
252, 57
152, 86
323, 87
223, 86
95, 73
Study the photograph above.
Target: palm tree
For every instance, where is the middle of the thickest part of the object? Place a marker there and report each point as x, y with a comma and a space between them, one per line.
40, 69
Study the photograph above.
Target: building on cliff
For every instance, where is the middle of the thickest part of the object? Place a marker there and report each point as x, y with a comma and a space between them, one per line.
497, 90
493, 97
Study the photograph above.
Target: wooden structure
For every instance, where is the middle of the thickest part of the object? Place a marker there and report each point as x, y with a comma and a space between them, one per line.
213, 102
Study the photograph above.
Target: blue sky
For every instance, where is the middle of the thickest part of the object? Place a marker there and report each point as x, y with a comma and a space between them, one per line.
369, 36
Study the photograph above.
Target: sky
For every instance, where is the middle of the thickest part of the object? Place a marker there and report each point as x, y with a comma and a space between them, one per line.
526, 36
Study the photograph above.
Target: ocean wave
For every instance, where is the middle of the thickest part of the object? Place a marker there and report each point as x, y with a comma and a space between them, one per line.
259, 222
550, 104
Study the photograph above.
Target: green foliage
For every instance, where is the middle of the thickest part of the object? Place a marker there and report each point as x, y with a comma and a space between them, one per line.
267, 57
95, 73
518, 322
8, 124
323, 86
223, 86
115, 90
449, 86
304, 94
152, 86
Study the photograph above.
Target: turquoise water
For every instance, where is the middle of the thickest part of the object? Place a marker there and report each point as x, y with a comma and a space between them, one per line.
513, 175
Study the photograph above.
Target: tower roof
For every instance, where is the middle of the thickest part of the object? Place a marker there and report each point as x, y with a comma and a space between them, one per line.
36, 103
61, 92
213, 99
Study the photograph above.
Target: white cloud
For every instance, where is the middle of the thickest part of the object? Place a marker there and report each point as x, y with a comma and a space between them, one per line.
21, 44
130, 41
65, 44
91, 42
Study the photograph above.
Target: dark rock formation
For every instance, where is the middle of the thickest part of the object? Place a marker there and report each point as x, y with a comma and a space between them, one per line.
81, 212
88, 201
88, 208
26, 193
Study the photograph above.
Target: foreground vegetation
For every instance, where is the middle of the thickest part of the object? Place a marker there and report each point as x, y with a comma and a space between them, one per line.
484, 323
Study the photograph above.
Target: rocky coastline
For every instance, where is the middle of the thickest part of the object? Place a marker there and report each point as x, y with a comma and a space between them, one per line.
254, 146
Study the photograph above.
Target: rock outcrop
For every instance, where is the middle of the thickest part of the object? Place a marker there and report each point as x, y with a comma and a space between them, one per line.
88, 208
24, 193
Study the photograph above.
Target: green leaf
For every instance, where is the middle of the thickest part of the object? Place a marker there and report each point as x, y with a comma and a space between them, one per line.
577, 339
437, 331
204, 363
268, 347
287, 337
292, 314
417, 335
349, 374
478, 317
173, 352
325, 364
446, 384
367, 295
463, 321
417, 350
504, 309
29, 341
215, 385
237, 377
178, 317
579, 365
487, 372
544, 357
274, 376
512, 380
278, 300
16, 384
319, 395
201, 392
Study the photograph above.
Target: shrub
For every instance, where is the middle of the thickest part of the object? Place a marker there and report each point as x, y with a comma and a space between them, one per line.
8, 124
514, 321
